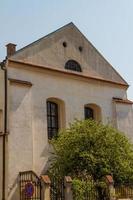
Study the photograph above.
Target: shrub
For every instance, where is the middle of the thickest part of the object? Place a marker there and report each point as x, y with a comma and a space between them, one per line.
95, 149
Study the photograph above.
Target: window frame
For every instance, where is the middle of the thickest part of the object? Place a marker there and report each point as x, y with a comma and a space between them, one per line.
52, 119
91, 111
73, 66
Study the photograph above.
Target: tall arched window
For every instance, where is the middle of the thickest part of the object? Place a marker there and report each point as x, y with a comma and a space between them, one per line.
52, 119
73, 65
55, 116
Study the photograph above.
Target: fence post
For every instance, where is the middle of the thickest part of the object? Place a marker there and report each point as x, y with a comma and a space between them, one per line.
110, 183
45, 187
68, 188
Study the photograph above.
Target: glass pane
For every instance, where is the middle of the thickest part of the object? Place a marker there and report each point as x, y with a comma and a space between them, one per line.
73, 65
49, 121
48, 108
89, 113
53, 123
53, 109
52, 119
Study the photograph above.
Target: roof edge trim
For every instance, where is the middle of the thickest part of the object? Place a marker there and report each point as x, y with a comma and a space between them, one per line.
68, 73
124, 101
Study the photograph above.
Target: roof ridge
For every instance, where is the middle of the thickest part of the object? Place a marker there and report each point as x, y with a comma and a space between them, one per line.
32, 43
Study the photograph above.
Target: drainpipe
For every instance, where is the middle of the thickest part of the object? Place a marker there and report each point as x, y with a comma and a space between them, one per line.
3, 67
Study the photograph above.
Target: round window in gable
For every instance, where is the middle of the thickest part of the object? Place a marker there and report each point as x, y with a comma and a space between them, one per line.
73, 65
80, 48
64, 44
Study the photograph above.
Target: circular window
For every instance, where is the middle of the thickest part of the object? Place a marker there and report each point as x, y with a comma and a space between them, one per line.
80, 48
64, 44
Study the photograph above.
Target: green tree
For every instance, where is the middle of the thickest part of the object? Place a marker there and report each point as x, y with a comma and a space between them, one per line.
92, 149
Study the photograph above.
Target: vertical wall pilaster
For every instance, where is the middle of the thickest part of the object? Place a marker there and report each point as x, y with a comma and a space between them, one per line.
68, 188
111, 189
45, 187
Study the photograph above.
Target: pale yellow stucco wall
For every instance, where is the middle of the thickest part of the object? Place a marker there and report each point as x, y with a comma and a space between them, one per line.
28, 142
124, 118
20, 125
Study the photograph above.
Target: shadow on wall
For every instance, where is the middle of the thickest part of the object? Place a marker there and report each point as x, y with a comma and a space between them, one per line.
22, 95
48, 150
123, 113
14, 193
48, 153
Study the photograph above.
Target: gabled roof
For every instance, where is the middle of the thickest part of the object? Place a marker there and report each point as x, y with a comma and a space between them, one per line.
44, 37
48, 51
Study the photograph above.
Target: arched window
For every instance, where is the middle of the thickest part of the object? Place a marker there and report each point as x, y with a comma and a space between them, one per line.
89, 113
55, 116
92, 111
73, 65
52, 119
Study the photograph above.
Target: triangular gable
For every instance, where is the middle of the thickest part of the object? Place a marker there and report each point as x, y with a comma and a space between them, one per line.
49, 51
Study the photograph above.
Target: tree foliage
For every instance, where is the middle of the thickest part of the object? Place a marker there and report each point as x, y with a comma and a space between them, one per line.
88, 147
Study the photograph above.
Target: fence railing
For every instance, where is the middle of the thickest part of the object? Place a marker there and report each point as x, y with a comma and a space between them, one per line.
30, 186
90, 190
63, 189
57, 188
124, 191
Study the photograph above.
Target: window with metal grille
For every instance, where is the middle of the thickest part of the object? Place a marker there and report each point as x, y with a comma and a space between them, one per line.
89, 113
52, 119
73, 65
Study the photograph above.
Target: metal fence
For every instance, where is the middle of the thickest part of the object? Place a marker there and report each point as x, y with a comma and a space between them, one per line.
30, 186
124, 191
57, 189
90, 190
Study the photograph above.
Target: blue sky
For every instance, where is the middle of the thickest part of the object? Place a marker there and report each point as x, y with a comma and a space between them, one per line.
108, 24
